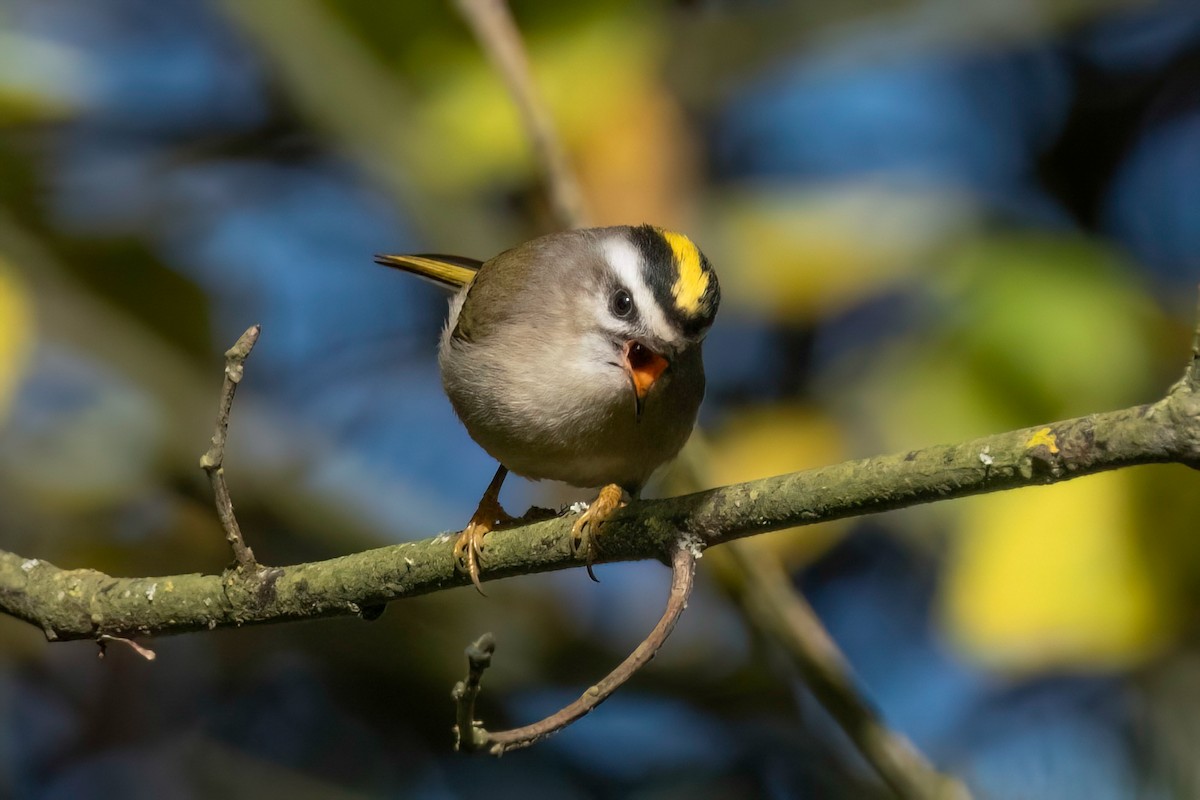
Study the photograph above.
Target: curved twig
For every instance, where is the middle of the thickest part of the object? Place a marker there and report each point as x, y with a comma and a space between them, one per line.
683, 573
103, 639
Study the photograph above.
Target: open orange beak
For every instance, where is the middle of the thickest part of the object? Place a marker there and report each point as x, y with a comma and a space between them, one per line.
644, 366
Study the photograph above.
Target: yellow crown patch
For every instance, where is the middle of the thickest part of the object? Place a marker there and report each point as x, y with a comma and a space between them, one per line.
692, 282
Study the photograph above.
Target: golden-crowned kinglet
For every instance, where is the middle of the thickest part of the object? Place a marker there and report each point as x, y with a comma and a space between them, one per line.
574, 357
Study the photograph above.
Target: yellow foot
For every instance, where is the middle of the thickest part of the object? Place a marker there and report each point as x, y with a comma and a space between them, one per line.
469, 543
585, 533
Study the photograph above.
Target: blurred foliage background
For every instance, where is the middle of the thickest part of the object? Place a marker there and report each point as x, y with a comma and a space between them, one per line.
931, 220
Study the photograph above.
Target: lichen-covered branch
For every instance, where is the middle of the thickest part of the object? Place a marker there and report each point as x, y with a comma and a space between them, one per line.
84, 603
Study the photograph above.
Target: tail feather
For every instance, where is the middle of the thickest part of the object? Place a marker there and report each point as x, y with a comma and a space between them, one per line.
449, 272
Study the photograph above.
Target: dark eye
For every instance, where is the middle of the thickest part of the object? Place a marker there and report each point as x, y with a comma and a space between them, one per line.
622, 303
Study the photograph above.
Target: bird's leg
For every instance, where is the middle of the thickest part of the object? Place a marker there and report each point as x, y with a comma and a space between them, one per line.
585, 533
487, 516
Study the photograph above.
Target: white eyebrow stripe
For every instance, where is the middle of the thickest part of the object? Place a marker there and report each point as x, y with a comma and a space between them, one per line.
626, 262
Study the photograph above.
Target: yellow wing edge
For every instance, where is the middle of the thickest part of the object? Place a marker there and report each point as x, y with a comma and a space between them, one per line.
450, 274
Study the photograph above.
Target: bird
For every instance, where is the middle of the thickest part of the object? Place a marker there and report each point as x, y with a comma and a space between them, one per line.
573, 357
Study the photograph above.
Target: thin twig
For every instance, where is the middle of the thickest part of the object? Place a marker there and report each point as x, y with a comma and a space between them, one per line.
781, 613
145, 652
479, 658
683, 572
493, 25
213, 461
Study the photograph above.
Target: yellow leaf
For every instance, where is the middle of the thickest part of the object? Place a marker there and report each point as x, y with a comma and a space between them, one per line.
773, 441
471, 131
36, 79
812, 252
995, 287
1052, 576
16, 335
